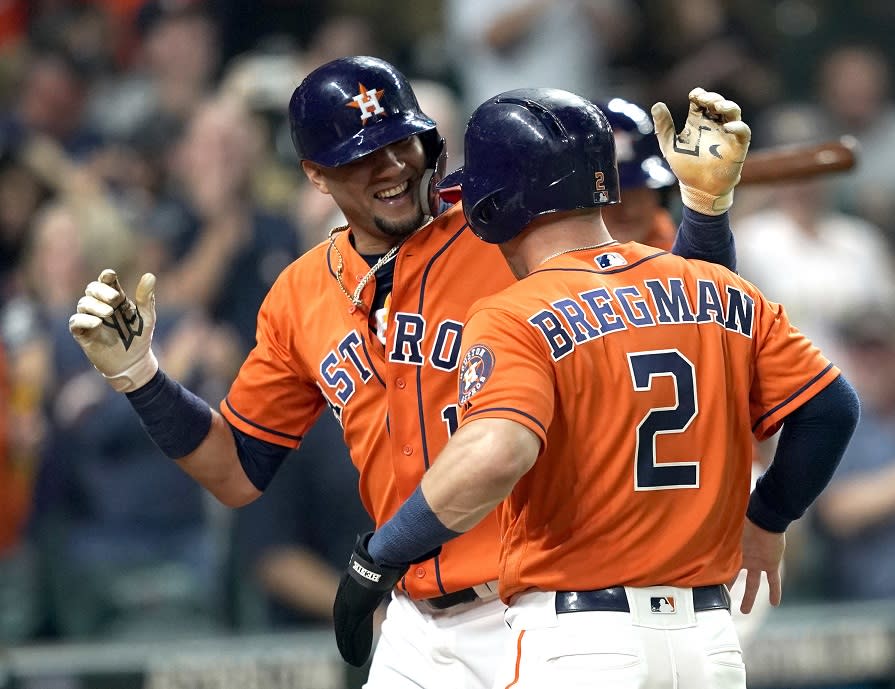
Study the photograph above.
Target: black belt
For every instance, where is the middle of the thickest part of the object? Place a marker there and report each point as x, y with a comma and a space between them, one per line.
449, 600
614, 599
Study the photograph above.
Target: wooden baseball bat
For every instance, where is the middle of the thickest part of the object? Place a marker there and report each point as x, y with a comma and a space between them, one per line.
799, 162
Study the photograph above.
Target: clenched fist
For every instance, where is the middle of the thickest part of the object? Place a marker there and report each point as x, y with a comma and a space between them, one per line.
707, 155
115, 332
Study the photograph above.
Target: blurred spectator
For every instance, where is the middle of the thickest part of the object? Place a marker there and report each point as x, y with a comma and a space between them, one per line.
801, 251
19, 598
857, 511
123, 530
340, 35
854, 87
504, 44
51, 101
258, 80
176, 63
22, 192
288, 547
235, 249
710, 46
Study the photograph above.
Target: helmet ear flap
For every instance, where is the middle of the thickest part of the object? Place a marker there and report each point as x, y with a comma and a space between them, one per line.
430, 199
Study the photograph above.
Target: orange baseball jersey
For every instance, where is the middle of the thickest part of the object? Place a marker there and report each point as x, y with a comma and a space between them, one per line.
662, 230
397, 403
645, 377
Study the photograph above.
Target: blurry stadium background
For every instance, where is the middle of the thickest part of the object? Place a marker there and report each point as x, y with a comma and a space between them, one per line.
150, 135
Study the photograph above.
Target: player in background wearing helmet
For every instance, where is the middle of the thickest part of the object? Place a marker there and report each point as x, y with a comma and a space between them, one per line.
368, 324
608, 402
644, 177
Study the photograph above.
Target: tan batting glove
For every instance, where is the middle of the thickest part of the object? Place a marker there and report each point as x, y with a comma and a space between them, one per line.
116, 333
707, 156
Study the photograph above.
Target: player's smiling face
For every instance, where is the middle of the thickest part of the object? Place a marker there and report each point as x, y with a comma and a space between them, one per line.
378, 193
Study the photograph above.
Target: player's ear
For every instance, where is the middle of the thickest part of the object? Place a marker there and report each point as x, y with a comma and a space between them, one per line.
315, 175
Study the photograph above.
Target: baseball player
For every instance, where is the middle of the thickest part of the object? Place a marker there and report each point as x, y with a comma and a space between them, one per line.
608, 401
368, 324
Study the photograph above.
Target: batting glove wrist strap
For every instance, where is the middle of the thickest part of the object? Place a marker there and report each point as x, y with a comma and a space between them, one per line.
136, 376
362, 588
705, 202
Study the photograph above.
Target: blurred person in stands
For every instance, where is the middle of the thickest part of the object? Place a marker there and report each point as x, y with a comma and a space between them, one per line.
796, 241
857, 513
504, 44
20, 606
712, 43
126, 542
22, 192
232, 250
288, 546
176, 63
854, 87
51, 101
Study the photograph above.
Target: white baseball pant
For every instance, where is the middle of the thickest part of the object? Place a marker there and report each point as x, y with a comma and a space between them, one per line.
650, 647
457, 648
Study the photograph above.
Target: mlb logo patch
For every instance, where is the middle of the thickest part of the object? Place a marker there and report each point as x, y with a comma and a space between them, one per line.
610, 260
662, 605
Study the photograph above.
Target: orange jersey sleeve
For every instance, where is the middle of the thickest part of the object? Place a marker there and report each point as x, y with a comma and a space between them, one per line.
397, 400
650, 374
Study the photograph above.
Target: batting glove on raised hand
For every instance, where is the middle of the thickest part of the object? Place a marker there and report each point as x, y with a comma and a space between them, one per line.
115, 332
362, 588
708, 154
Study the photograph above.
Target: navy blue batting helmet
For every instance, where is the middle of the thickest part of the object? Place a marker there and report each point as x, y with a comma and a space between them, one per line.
530, 152
353, 106
637, 154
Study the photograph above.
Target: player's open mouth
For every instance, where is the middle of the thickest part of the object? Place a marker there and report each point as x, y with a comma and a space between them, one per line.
393, 193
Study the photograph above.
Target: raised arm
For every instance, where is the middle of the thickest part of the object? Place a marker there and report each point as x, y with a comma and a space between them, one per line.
116, 335
707, 158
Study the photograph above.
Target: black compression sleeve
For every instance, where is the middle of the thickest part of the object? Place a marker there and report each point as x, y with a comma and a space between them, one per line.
812, 442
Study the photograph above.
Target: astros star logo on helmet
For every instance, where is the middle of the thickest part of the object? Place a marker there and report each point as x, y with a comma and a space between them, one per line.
367, 102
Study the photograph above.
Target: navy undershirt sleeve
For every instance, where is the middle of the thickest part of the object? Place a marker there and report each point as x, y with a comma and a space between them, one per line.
259, 458
812, 442
707, 238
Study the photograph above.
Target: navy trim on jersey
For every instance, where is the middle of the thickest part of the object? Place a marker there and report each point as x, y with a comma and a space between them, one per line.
791, 397
601, 272
419, 371
510, 409
251, 423
363, 342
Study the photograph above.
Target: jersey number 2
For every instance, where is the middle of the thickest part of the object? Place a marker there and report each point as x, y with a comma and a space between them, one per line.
644, 366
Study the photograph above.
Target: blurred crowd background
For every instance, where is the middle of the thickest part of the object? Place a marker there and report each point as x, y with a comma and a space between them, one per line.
151, 136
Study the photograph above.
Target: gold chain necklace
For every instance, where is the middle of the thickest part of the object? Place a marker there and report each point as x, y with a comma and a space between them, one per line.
578, 248
386, 257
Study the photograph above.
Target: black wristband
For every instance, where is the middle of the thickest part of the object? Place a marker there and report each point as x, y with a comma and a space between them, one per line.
176, 419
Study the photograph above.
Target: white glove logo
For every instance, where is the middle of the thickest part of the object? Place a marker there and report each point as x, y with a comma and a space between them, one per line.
126, 320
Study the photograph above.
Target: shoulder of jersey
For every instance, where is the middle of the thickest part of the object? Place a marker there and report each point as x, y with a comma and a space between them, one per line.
308, 269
